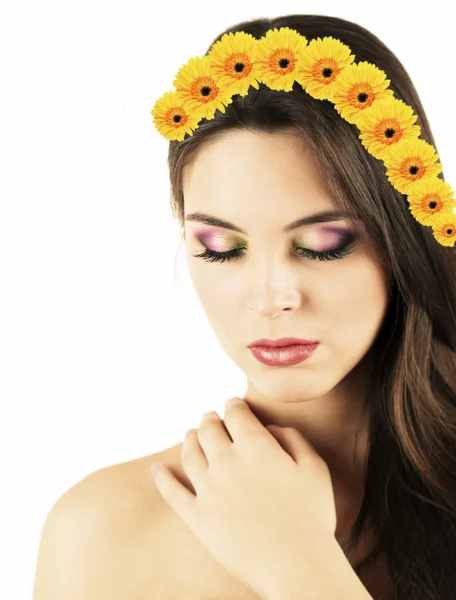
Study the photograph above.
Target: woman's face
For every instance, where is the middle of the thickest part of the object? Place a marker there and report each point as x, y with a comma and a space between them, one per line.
316, 281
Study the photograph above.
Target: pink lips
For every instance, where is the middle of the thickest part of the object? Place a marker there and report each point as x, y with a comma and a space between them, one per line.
283, 352
281, 342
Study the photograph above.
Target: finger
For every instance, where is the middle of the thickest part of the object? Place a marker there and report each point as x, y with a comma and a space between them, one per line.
281, 438
293, 442
241, 423
176, 495
213, 437
193, 459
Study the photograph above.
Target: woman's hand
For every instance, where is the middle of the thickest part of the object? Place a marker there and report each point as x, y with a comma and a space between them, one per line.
264, 498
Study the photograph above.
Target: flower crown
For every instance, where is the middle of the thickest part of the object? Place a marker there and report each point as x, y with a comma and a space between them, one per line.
326, 70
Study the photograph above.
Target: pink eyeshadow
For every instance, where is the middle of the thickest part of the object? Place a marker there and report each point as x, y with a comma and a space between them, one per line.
213, 240
320, 238
323, 238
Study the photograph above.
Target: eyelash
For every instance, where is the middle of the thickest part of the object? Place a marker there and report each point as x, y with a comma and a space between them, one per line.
327, 255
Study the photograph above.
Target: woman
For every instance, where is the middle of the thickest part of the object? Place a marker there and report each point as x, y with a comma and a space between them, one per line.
336, 471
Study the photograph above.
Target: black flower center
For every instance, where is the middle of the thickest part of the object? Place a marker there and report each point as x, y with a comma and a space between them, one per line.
205, 90
239, 67
414, 170
432, 204
327, 72
449, 231
283, 63
363, 97
390, 132
177, 118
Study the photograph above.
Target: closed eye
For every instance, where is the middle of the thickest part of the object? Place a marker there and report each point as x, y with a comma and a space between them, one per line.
341, 251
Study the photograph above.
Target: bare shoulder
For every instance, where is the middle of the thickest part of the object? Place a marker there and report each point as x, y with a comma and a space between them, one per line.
99, 540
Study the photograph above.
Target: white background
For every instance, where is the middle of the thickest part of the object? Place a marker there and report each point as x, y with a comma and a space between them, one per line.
106, 355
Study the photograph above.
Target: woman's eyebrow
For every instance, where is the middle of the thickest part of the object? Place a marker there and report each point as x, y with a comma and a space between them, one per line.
319, 217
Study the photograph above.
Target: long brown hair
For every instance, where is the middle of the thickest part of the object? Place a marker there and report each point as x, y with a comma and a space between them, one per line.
409, 500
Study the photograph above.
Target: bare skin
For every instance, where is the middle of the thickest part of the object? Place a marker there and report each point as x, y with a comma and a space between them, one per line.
127, 543
182, 567
260, 183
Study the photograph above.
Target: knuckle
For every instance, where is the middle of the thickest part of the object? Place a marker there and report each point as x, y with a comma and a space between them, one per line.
207, 416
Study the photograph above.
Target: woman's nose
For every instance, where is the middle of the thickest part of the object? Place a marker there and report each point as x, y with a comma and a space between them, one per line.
272, 298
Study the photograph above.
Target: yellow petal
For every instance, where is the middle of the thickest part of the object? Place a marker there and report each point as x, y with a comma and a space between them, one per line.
232, 63
320, 64
444, 229
409, 161
195, 84
173, 118
429, 199
357, 88
386, 123
277, 55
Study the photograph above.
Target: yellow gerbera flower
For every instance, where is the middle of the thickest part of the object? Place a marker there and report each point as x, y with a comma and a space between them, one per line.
429, 199
232, 62
444, 229
409, 161
172, 117
196, 85
385, 123
320, 64
277, 55
357, 87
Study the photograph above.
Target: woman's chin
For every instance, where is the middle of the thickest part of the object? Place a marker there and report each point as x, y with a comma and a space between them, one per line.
288, 389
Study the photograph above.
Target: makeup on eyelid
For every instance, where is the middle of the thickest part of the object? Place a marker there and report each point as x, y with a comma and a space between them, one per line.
218, 241
319, 238
324, 237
